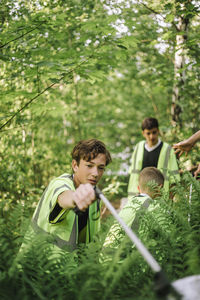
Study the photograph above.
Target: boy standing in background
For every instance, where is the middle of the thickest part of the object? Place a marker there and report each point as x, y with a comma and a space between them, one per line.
152, 152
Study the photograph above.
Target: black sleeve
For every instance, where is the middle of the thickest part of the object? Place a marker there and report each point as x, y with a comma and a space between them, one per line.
55, 212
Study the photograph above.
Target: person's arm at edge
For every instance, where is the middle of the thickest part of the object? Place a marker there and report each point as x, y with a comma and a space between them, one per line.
186, 145
197, 171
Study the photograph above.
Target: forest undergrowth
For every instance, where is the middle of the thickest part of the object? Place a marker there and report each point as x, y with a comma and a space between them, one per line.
38, 274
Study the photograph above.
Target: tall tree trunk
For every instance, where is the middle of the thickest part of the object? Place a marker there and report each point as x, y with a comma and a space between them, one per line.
77, 105
179, 63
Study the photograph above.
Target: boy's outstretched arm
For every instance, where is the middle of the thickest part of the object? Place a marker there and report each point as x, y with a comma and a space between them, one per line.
186, 145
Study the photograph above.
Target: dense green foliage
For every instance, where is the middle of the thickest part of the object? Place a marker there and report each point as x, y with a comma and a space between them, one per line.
80, 275
81, 69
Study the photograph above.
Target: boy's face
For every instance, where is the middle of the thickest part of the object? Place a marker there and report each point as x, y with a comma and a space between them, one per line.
89, 171
151, 136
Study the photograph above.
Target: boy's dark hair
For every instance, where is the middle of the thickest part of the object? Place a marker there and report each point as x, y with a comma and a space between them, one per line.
89, 149
149, 123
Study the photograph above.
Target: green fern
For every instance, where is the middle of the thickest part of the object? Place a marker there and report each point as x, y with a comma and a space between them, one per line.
37, 274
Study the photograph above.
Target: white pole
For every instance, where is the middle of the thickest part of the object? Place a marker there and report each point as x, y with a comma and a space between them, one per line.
190, 201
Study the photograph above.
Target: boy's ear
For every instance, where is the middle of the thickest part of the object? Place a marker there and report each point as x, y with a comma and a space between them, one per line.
138, 189
74, 165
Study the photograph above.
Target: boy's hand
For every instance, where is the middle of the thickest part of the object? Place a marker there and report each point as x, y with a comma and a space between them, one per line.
84, 196
197, 171
184, 146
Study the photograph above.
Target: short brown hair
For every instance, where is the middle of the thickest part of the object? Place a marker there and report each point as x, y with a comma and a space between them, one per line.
149, 123
89, 149
150, 175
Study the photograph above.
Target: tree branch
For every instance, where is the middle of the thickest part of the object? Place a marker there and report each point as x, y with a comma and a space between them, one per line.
157, 13
42, 92
19, 37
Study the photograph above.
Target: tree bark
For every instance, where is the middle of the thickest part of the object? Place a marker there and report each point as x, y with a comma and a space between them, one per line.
179, 63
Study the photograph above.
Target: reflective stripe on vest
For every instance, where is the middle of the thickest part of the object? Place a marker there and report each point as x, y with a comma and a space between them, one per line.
144, 206
137, 166
60, 187
166, 160
71, 243
139, 152
135, 171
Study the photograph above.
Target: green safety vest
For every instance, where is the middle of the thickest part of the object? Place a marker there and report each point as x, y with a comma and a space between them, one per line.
132, 213
64, 228
167, 164
129, 214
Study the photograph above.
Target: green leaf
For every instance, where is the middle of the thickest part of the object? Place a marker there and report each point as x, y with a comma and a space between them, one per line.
4, 57
47, 63
123, 47
169, 18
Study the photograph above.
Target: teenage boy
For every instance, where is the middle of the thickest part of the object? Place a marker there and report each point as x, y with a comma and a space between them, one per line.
152, 152
151, 180
68, 210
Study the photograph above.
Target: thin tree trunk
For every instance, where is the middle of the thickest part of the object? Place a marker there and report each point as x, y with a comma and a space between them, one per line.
77, 104
179, 63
